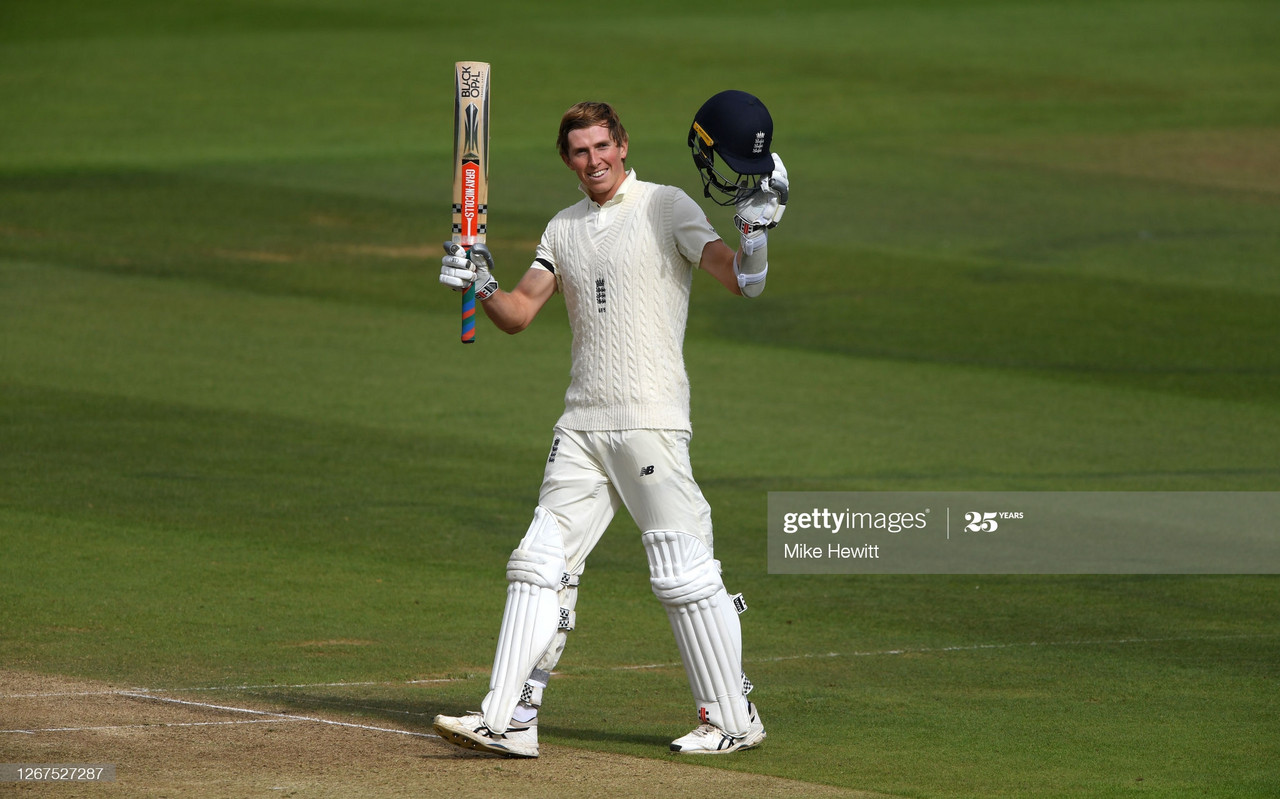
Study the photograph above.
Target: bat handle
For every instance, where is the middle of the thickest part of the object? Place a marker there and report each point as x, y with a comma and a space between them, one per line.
469, 315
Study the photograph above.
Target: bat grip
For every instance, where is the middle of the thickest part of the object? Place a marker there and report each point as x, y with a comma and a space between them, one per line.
469, 315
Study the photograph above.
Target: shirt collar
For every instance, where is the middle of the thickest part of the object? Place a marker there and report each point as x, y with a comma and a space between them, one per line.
617, 195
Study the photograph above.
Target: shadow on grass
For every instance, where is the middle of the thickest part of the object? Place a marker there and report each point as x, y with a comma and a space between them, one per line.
601, 736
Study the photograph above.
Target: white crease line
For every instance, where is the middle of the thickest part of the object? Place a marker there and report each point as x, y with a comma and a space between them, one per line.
269, 718
285, 716
107, 692
152, 726
117, 691
297, 685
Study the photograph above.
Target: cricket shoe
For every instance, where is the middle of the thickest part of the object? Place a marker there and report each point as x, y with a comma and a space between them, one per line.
708, 739
470, 732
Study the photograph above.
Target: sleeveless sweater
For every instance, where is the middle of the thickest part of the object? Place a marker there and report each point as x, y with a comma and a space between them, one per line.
628, 303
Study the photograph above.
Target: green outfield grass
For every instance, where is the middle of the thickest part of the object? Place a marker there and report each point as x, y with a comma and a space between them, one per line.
1030, 247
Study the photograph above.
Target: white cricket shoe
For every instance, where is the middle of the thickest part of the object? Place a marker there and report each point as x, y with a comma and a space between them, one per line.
708, 739
470, 732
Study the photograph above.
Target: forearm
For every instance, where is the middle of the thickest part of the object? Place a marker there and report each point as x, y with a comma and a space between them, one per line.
513, 311
718, 261
741, 271
509, 312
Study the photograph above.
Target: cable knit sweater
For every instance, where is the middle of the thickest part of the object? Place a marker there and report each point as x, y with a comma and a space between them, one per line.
627, 295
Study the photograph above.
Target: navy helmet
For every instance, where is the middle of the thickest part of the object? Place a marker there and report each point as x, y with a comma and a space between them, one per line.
735, 127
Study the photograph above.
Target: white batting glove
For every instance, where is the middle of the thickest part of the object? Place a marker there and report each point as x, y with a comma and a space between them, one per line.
763, 210
460, 269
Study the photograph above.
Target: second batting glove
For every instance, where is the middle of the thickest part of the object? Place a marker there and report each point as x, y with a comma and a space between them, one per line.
763, 209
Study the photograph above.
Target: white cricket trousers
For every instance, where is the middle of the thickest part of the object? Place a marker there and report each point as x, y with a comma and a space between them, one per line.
591, 474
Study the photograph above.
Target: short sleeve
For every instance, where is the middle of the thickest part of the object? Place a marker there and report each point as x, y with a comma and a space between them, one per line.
690, 226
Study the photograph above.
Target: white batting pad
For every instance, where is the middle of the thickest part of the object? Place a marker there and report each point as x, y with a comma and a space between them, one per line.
704, 620
531, 618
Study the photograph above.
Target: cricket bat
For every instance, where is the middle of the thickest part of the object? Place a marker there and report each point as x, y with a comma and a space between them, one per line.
470, 169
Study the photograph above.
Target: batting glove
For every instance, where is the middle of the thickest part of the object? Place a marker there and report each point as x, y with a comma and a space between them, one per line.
460, 269
763, 209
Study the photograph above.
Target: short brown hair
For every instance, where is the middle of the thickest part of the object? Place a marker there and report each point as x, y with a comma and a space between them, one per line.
588, 115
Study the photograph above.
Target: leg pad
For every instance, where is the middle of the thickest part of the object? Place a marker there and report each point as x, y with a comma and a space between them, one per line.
531, 619
704, 619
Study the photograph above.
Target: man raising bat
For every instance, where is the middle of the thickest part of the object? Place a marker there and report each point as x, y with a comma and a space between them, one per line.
623, 257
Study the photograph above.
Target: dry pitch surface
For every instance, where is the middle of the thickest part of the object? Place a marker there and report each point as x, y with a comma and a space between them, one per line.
167, 745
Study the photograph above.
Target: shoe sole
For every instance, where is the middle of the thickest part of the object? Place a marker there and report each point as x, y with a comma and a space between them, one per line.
465, 740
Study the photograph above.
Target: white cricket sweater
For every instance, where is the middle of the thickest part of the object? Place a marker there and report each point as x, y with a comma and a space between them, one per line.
628, 301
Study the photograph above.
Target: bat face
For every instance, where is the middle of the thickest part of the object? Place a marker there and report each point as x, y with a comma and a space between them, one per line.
471, 153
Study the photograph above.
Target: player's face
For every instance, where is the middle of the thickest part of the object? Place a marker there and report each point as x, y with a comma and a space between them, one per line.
597, 160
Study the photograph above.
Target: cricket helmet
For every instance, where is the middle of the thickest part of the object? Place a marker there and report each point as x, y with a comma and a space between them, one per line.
736, 127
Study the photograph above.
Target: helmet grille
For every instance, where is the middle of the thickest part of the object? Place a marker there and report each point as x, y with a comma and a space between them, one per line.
730, 189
